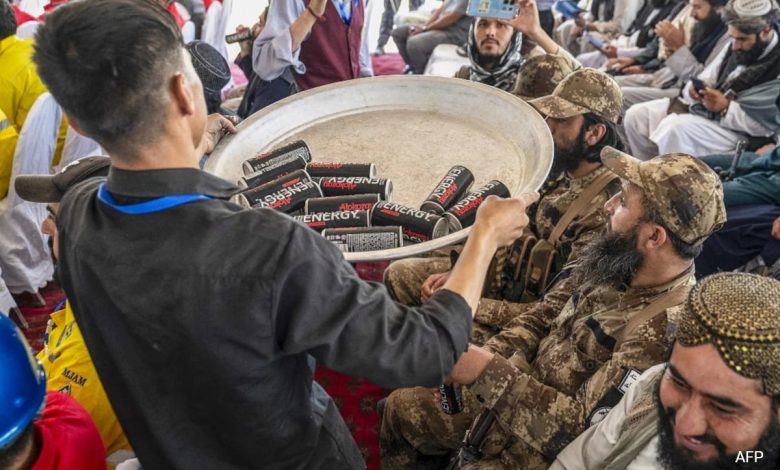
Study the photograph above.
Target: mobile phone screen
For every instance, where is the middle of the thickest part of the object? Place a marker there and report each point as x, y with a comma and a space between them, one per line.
501, 9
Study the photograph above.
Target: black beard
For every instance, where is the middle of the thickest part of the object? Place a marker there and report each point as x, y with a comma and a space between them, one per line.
751, 56
611, 260
488, 61
568, 159
672, 457
704, 28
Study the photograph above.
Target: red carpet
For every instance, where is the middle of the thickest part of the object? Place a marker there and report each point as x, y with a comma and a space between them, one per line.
357, 398
388, 64
36, 318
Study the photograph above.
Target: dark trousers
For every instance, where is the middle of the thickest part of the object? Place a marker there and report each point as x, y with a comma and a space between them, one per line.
746, 234
388, 19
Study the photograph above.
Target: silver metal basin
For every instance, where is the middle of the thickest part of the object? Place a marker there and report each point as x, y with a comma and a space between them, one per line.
414, 128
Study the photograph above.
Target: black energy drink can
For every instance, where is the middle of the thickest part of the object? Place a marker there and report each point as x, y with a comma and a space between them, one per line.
322, 220
291, 198
463, 213
295, 149
325, 169
271, 170
356, 202
450, 189
345, 186
253, 196
451, 399
418, 226
353, 240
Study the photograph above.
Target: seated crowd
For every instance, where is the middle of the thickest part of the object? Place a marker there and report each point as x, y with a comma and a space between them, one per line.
626, 316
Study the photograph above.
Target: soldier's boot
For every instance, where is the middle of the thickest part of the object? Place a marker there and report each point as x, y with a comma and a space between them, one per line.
404, 278
417, 434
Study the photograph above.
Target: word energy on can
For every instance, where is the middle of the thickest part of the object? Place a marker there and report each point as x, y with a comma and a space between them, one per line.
353, 240
324, 169
464, 212
449, 190
271, 170
418, 226
451, 399
322, 220
345, 186
291, 198
295, 149
356, 202
251, 197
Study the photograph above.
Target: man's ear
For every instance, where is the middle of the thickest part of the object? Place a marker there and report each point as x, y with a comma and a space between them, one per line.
595, 134
181, 94
766, 34
657, 236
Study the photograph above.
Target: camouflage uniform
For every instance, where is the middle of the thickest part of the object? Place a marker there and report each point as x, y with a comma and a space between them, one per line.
561, 379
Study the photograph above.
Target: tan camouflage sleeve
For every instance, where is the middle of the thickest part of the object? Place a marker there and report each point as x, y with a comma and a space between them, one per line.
547, 419
524, 331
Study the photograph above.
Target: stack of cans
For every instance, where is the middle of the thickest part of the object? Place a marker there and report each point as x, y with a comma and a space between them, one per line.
351, 206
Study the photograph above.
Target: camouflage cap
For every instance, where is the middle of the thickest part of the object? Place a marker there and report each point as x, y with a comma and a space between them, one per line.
540, 74
739, 314
686, 193
584, 91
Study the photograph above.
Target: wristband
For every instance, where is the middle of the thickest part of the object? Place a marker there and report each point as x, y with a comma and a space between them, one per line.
316, 16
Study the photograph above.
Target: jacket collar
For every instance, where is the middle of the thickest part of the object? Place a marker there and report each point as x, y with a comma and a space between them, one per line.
159, 183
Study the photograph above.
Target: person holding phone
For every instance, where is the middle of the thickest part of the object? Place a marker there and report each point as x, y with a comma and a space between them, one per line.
728, 100
606, 18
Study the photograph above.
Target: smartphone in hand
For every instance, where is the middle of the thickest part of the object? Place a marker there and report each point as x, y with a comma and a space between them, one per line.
698, 85
501, 9
597, 42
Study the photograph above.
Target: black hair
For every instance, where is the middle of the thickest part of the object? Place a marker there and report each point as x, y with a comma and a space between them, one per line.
7, 19
107, 63
610, 138
13, 453
683, 249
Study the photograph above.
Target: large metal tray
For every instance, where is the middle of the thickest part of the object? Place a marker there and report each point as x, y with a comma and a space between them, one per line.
414, 128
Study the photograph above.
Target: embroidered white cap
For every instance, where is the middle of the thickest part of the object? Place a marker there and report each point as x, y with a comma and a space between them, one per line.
752, 8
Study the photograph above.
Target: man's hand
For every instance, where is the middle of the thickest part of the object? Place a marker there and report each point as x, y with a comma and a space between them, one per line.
776, 228
580, 21
714, 100
620, 62
246, 46
694, 94
765, 149
609, 51
674, 37
470, 366
632, 70
504, 219
432, 284
527, 18
217, 126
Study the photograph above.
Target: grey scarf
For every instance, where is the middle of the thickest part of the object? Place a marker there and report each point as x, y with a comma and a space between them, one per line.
504, 74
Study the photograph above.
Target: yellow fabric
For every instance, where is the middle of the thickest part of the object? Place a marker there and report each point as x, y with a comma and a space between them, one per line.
8, 136
69, 369
20, 86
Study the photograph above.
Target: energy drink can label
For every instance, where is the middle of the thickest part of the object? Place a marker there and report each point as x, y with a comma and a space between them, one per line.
297, 148
322, 220
451, 399
463, 213
344, 186
353, 240
251, 197
356, 202
450, 189
418, 226
272, 170
291, 198
324, 169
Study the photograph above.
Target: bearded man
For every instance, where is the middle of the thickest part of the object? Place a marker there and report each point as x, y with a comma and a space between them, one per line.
715, 404
731, 100
539, 388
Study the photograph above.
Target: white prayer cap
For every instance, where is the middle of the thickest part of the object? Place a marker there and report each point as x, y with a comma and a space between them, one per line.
752, 8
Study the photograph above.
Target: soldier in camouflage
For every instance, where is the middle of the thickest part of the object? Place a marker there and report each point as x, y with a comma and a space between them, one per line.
581, 113
545, 384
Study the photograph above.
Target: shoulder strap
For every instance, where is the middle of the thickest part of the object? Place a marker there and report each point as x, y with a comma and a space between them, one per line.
580, 204
670, 299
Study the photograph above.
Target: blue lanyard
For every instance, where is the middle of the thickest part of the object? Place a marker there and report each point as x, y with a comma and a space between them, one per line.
346, 18
147, 207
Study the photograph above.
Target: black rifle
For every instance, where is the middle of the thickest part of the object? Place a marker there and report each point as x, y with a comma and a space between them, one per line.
728, 175
471, 448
